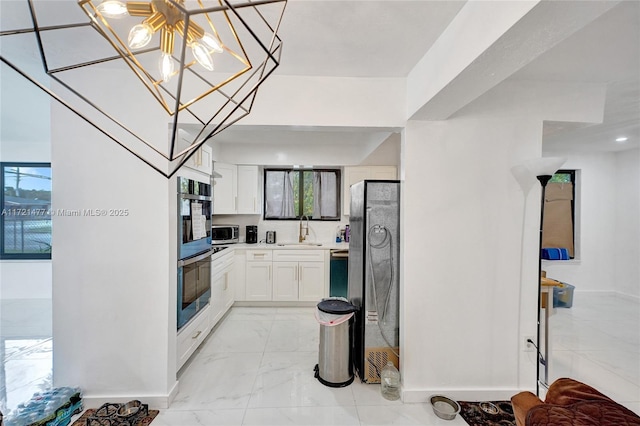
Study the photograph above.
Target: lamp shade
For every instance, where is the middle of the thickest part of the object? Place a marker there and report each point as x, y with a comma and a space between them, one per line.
527, 172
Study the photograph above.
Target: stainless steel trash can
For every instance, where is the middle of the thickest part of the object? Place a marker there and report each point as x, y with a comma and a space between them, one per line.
335, 368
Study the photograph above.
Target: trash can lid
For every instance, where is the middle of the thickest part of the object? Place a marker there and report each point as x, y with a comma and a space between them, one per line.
336, 306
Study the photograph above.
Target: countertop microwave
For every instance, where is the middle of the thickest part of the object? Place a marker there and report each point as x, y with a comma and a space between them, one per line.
225, 234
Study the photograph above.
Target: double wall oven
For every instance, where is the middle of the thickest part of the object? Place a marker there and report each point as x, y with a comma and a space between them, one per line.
194, 247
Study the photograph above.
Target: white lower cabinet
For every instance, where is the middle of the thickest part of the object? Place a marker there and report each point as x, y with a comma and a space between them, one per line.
192, 335
285, 281
311, 282
299, 275
259, 274
222, 290
285, 276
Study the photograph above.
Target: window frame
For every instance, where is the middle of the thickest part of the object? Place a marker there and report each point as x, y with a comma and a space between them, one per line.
573, 175
18, 256
301, 171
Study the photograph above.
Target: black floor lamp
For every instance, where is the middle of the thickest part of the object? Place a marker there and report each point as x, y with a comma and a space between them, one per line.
541, 169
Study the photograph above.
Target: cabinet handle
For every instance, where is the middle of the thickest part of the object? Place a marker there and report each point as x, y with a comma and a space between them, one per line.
198, 333
295, 277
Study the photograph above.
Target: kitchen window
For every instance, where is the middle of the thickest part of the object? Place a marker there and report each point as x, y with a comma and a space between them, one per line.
25, 218
297, 192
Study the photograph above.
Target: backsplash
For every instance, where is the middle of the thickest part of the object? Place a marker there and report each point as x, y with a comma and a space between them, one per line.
286, 230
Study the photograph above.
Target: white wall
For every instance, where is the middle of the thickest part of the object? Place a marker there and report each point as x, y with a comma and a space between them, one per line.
597, 203
461, 291
627, 249
24, 136
608, 225
468, 302
114, 282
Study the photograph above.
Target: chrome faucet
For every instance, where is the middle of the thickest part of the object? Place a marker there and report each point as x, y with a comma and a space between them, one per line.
301, 236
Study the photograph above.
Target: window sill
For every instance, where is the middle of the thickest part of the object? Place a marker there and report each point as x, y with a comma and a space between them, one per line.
548, 262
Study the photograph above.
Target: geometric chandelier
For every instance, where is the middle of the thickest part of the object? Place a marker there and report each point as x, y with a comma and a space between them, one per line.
140, 72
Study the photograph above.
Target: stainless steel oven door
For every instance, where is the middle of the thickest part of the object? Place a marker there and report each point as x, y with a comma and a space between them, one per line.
194, 286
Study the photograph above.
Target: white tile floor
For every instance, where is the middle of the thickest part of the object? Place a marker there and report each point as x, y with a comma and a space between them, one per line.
256, 368
597, 341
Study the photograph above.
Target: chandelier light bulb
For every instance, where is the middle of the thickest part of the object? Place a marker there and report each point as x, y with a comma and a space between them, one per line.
202, 55
113, 9
167, 67
140, 36
211, 42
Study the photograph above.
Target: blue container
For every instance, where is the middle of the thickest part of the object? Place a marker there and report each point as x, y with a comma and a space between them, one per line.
563, 296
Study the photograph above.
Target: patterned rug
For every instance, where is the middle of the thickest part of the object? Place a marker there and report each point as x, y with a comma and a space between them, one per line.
487, 413
144, 421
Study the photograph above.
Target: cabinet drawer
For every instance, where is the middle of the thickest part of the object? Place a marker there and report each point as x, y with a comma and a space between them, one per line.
222, 263
259, 255
190, 337
298, 255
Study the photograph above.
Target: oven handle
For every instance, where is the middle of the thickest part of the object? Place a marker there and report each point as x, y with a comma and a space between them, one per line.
189, 261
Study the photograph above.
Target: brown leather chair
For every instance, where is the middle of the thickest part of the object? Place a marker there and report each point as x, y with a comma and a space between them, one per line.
571, 403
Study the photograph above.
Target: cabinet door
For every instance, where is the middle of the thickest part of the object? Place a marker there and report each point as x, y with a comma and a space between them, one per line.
228, 295
217, 298
206, 159
225, 189
351, 175
311, 282
258, 281
248, 199
285, 280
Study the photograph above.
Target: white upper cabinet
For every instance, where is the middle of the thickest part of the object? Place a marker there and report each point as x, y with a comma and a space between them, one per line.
248, 190
201, 160
237, 191
225, 189
357, 174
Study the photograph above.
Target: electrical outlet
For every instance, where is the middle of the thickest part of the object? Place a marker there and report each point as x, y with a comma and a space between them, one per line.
528, 345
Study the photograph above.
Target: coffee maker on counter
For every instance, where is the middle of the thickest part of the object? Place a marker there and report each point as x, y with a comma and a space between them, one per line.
252, 234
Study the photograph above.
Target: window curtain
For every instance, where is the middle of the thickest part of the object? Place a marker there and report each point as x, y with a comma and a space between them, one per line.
325, 195
279, 194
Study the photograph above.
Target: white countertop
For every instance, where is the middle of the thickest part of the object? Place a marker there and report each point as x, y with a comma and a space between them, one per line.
290, 245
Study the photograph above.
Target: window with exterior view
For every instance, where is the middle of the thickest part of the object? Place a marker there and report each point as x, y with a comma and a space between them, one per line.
26, 211
294, 193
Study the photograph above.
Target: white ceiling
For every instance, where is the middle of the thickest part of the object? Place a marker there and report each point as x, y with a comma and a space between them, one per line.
362, 38
387, 38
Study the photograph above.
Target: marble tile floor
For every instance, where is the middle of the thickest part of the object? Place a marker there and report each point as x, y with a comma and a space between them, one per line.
256, 369
597, 341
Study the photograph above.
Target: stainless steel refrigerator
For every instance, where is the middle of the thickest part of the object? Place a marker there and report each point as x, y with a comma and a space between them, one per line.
373, 284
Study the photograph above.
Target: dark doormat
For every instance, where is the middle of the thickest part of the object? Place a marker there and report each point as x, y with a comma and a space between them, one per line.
487, 413
141, 421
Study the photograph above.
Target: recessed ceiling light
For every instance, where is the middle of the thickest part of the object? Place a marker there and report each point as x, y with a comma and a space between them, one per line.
621, 139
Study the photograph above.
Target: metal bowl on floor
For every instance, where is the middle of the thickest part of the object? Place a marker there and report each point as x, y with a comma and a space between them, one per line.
443, 407
130, 408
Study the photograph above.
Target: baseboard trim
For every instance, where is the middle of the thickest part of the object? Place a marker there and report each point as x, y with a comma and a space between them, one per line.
416, 396
155, 402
